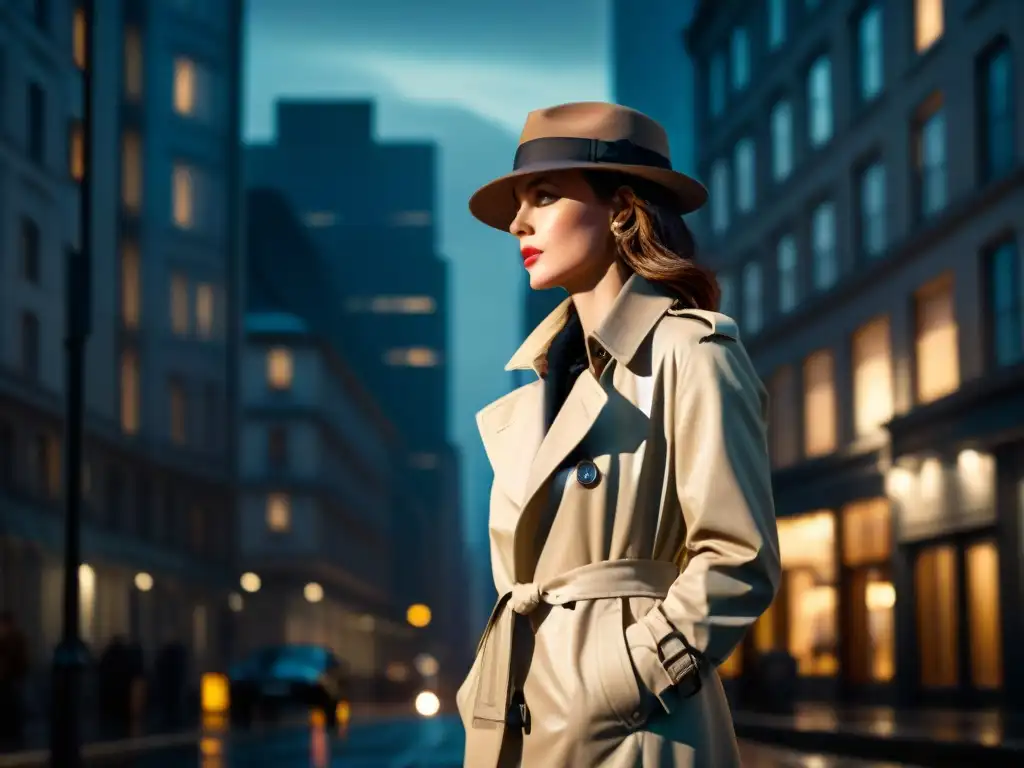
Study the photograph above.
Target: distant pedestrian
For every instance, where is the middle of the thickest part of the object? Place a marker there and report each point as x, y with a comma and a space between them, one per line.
13, 671
119, 672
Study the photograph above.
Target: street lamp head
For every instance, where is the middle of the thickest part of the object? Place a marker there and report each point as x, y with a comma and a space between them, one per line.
313, 592
418, 615
250, 582
143, 581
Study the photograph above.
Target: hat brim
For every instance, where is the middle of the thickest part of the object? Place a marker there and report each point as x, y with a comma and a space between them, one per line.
496, 206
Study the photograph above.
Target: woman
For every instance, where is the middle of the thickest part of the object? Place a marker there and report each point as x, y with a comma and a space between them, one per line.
633, 536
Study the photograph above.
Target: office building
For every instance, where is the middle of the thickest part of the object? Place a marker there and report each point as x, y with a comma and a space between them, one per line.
864, 165
158, 482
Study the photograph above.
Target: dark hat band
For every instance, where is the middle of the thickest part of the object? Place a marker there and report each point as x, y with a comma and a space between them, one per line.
556, 149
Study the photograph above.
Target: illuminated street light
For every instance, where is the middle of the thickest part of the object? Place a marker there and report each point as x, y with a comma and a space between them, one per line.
418, 615
427, 704
313, 592
250, 582
143, 581
426, 665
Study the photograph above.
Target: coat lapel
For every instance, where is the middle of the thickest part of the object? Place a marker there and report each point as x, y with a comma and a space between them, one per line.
512, 429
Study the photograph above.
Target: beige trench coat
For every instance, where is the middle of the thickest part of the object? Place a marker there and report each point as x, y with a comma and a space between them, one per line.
619, 598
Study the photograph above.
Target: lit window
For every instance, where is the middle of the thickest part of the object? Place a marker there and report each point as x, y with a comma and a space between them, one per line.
743, 161
740, 50
872, 376
937, 341
131, 171
819, 98
870, 72
819, 404
412, 357
129, 392
983, 614
79, 38
825, 263
403, 305
719, 196
412, 219
776, 23
204, 310
716, 84
184, 86
753, 310
279, 368
179, 304
131, 308
781, 128
178, 414
784, 436
183, 182
930, 157
786, 255
76, 151
279, 512
936, 593
929, 23
134, 75
872, 210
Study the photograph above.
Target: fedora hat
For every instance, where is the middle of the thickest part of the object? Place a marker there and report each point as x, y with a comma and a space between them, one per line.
588, 135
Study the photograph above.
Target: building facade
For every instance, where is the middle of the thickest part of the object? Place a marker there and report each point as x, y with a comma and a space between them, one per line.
324, 490
864, 167
158, 484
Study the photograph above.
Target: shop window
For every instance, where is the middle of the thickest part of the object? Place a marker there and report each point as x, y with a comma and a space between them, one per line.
872, 376
819, 404
806, 604
984, 626
870, 594
935, 586
936, 344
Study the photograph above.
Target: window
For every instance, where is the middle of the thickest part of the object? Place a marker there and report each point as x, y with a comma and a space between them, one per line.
131, 285
184, 86
36, 123
819, 404
31, 250
753, 315
870, 67
784, 417
279, 368
727, 295
411, 219
743, 161
929, 23
716, 84
872, 376
1006, 302
808, 592
937, 341
930, 157
177, 411
981, 561
279, 512
819, 101
776, 23
872, 239
781, 128
412, 357
786, 256
179, 304
130, 391
134, 74
740, 50
935, 580
183, 196
79, 38
30, 353
719, 196
76, 151
131, 171
204, 310
277, 447
996, 113
403, 305
825, 264
213, 408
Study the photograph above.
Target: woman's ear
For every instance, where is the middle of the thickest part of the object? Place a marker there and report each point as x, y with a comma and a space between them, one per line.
622, 206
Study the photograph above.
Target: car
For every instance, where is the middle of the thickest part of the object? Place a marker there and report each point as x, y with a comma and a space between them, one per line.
277, 677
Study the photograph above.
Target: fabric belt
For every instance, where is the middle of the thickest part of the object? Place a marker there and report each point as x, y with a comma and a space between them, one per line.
597, 581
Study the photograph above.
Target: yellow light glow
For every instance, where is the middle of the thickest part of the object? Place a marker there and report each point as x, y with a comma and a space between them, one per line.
250, 582
427, 704
418, 615
214, 693
143, 582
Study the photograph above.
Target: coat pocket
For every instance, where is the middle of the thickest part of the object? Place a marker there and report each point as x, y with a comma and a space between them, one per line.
619, 684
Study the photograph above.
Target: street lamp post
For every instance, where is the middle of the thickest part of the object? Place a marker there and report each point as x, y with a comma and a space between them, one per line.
70, 657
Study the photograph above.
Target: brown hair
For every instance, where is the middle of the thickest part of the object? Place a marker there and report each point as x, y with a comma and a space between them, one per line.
654, 241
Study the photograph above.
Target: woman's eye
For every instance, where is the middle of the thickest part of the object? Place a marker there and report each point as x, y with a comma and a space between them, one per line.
545, 198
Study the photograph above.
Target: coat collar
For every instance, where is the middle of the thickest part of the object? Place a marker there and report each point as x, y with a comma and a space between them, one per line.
637, 308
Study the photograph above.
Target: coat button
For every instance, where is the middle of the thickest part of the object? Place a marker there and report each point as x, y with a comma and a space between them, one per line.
587, 473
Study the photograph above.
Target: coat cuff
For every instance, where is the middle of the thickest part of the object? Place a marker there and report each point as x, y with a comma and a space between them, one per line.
662, 659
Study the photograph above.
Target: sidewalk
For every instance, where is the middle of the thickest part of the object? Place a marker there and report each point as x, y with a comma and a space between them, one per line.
931, 737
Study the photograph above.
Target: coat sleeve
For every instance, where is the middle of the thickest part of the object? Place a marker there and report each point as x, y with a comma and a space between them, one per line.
723, 482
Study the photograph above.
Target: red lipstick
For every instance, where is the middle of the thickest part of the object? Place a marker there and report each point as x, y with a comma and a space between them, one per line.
530, 255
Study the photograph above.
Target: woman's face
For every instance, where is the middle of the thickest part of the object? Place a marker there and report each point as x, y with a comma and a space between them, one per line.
564, 231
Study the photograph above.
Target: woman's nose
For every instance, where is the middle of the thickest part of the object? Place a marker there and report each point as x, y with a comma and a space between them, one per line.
520, 224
